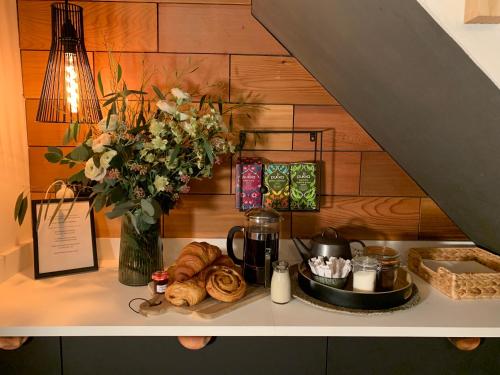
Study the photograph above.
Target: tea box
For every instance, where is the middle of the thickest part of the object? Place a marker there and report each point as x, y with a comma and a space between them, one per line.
277, 184
303, 186
248, 183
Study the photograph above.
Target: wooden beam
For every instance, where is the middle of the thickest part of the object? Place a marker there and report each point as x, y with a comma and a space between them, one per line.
482, 11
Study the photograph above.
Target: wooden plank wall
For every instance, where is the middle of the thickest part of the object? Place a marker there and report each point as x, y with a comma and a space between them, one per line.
366, 194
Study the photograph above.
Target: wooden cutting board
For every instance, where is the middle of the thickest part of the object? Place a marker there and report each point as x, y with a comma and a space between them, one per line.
209, 308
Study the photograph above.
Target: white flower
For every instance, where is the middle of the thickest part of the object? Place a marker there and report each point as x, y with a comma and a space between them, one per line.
181, 96
156, 127
149, 158
182, 116
103, 140
107, 157
159, 144
165, 106
190, 128
111, 127
92, 172
160, 183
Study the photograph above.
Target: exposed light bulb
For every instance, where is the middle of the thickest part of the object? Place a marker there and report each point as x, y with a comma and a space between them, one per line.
71, 78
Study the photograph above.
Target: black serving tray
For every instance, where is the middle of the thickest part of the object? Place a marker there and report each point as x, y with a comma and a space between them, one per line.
356, 300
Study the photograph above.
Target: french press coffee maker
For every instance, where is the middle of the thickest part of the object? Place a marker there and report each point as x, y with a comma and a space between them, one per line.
260, 245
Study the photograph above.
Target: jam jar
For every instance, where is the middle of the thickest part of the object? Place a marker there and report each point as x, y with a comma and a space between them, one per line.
160, 281
389, 261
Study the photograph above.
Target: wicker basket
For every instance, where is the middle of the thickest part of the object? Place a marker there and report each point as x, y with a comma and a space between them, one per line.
462, 285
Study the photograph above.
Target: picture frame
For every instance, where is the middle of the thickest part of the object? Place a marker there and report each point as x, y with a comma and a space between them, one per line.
68, 244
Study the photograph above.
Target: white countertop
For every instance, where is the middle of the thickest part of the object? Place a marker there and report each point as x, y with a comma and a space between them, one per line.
96, 304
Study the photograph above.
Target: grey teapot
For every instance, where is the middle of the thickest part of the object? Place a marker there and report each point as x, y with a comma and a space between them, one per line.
328, 243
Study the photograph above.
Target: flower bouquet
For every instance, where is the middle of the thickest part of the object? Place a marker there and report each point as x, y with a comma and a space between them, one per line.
138, 161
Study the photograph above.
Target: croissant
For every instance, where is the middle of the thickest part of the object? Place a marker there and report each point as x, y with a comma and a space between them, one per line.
194, 258
189, 292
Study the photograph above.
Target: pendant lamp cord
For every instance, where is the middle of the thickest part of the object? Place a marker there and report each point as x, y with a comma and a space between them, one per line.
66, 10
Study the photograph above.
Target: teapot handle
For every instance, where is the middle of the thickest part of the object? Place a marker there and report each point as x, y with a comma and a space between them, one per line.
230, 237
329, 230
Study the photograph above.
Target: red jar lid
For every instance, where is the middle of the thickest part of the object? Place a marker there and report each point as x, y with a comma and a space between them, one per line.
160, 275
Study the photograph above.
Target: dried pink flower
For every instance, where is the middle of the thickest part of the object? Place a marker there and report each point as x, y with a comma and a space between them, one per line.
184, 189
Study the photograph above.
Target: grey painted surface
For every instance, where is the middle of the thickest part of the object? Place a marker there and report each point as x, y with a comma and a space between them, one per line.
413, 89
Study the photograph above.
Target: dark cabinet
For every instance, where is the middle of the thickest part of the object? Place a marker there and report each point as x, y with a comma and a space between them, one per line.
250, 355
39, 355
225, 355
407, 356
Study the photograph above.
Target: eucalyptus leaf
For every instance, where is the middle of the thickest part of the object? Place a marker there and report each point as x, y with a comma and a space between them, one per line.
157, 208
71, 206
56, 210
116, 212
55, 150
99, 202
22, 210
148, 219
119, 73
158, 92
138, 92
99, 82
80, 153
52, 158
100, 187
202, 101
126, 205
17, 208
117, 194
133, 220
147, 207
220, 103
76, 130
110, 100
67, 135
176, 151
208, 150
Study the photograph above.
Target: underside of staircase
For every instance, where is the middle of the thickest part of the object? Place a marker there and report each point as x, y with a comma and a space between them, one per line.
413, 89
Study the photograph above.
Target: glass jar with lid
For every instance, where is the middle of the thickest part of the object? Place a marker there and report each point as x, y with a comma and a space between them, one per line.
364, 272
389, 264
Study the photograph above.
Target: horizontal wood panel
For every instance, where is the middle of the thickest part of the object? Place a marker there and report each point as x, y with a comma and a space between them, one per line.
211, 73
107, 26
435, 225
220, 183
362, 218
208, 216
43, 133
340, 169
34, 64
266, 117
274, 80
43, 173
172, 1
105, 227
219, 29
342, 133
381, 176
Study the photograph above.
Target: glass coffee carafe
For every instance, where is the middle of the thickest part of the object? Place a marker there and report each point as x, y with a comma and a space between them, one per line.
260, 245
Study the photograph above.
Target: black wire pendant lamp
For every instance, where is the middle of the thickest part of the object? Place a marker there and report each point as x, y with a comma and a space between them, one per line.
68, 91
